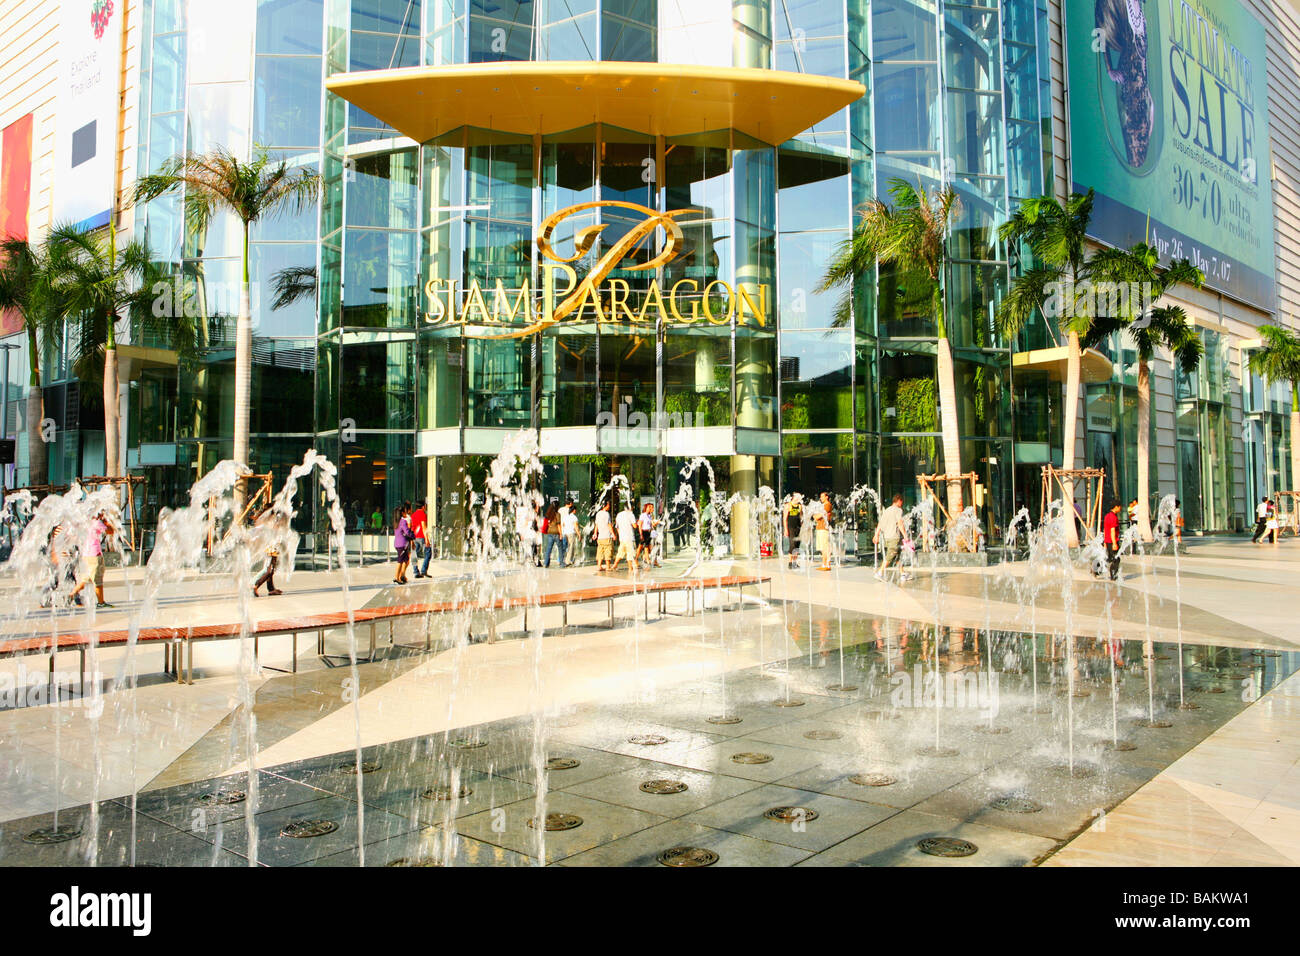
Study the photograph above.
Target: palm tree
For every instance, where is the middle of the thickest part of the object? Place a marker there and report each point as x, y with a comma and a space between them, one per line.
912, 235
1278, 360
293, 285
98, 284
1163, 326
214, 182
1055, 234
25, 288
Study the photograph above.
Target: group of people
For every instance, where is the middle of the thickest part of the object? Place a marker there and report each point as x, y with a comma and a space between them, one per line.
637, 536
411, 539
1268, 521
793, 517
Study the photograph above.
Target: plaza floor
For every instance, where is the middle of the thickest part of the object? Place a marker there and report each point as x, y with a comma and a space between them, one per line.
455, 743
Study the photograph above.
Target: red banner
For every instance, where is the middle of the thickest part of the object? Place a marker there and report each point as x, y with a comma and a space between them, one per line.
15, 194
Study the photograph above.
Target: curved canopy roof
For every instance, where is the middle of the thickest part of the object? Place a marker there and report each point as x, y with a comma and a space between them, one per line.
528, 97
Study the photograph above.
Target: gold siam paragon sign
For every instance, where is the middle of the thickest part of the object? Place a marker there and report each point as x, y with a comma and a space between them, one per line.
597, 296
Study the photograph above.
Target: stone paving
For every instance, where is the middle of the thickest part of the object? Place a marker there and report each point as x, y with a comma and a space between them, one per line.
598, 687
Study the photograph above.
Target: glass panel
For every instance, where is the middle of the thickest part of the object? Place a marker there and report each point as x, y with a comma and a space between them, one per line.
816, 379
286, 101
290, 26
697, 377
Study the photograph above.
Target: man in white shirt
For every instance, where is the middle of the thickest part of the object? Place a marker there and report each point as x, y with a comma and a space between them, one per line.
889, 536
1261, 519
604, 539
627, 536
568, 534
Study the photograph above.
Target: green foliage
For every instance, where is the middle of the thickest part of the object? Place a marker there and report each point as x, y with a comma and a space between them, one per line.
911, 234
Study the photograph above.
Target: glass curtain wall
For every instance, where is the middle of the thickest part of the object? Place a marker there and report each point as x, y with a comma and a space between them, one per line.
369, 254
1205, 473
1267, 410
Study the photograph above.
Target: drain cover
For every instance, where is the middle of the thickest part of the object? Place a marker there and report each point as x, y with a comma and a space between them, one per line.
842, 688
1157, 724
1189, 705
663, 786
790, 814
221, 798
937, 752
60, 834
444, 793
304, 829
687, 856
947, 846
993, 729
1014, 804
367, 766
562, 763
823, 735
648, 740
559, 821
468, 743
788, 703
414, 861
1119, 745
1082, 693
751, 757
724, 719
1215, 690
873, 779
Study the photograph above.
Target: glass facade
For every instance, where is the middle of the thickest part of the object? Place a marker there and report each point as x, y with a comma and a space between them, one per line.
786, 386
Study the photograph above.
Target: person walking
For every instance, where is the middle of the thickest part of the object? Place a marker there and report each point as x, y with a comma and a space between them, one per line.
627, 538
420, 539
1262, 511
1273, 525
1178, 521
823, 525
100, 529
889, 538
551, 534
657, 538
402, 539
645, 525
1110, 537
377, 520
270, 524
604, 538
569, 534
792, 524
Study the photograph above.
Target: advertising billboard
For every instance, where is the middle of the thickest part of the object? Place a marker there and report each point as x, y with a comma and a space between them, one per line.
15, 195
1169, 124
90, 55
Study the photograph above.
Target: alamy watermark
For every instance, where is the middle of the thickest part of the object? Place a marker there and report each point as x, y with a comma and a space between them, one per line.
966, 690
1070, 299
636, 429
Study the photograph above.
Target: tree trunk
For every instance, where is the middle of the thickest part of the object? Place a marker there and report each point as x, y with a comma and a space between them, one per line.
38, 453
243, 377
112, 421
948, 424
1070, 419
1144, 451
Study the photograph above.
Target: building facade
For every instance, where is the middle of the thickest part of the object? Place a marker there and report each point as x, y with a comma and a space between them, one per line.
691, 169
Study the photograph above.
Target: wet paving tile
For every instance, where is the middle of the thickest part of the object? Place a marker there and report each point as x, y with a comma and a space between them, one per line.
601, 823
894, 843
836, 818
644, 848
276, 849
625, 788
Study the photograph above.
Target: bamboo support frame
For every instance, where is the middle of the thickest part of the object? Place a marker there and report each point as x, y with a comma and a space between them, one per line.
1094, 484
